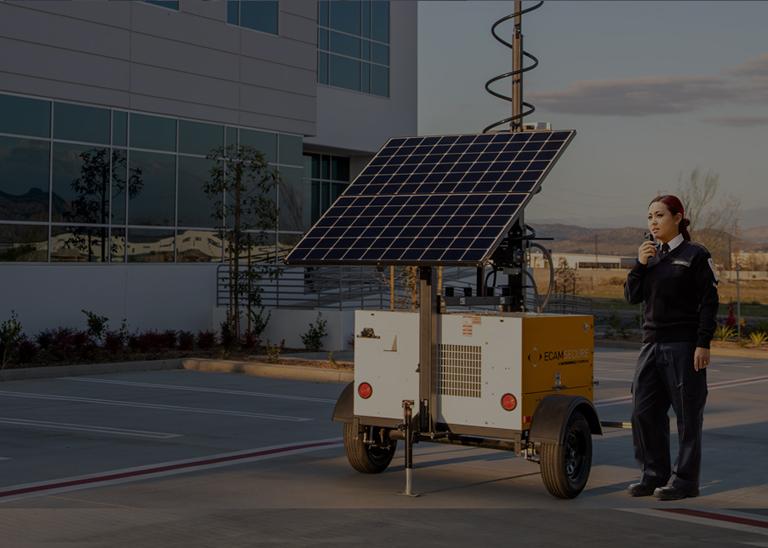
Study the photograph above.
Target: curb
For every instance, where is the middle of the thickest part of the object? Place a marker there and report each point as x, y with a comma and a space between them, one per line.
87, 369
259, 369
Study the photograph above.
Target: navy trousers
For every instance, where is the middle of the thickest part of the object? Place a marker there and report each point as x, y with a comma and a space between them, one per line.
665, 377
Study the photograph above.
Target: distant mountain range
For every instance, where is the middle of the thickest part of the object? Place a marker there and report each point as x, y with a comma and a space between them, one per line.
623, 241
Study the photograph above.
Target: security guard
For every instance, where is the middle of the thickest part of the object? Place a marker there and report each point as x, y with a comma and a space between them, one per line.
677, 284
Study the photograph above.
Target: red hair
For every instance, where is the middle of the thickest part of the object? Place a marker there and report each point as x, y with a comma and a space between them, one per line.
675, 206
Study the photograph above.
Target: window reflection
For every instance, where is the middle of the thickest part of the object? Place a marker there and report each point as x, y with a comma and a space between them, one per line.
79, 244
117, 245
24, 116
153, 203
197, 138
196, 208
80, 184
23, 243
294, 206
198, 246
150, 246
153, 132
23, 179
80, 123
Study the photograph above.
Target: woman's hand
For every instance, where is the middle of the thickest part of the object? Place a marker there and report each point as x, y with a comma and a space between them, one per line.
645, 252
700, 358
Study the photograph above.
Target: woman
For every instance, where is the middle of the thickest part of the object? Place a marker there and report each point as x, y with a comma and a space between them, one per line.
677, 285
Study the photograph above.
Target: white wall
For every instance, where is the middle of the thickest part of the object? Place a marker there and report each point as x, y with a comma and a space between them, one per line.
291, 324
152, 296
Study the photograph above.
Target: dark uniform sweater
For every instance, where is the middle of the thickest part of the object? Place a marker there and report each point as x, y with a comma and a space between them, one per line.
679, 295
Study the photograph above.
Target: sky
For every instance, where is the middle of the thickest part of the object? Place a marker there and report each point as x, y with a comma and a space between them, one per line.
653, 89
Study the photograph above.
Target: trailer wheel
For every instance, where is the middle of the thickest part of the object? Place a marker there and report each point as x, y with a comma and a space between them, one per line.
365, 458
565, 466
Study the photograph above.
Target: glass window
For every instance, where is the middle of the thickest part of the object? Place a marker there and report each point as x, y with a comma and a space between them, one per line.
264, 142
322, 12
119, 128
366, 50
198, 246
322, 68
153, 132
339, 168
198, 138
170, 4
150, 246
80, 123
80, 184
345, 73
291, 148
345, 16
152, 203
366, 18
380, 20
196, 208
82, 244
231, 135
254, 14
345, 44
28, 243
119, 182
25, 116
117, 245
365, 77
23, 179
322, 39
380, 54
293, 199
380, 80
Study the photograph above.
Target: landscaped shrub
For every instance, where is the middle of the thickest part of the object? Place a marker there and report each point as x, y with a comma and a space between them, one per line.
227, 337
206, 340
186, 340
10, 336
97, 325
313, 338
168, 339
114, 342
45, 338
27, 350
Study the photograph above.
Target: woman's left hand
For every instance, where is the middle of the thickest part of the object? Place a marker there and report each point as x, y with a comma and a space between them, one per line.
700, 358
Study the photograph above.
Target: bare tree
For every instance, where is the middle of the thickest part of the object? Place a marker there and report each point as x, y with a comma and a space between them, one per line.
714, 219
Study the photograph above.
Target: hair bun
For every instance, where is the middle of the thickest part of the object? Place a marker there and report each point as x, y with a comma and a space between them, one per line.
685, 223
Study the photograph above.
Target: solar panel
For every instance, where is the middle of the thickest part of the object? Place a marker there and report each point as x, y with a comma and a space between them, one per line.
439, 200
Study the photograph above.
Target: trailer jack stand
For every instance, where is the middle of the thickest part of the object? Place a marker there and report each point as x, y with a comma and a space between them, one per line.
407, 418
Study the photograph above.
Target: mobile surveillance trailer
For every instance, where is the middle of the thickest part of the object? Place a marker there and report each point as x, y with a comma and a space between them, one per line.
509, 379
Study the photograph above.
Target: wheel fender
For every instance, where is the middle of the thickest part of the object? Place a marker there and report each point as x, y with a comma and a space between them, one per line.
344, 409
552, 415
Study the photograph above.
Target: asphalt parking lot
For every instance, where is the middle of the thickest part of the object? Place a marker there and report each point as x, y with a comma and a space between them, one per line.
171, 458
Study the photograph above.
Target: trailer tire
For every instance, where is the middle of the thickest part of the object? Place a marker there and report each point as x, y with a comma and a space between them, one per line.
565, 466
367, 459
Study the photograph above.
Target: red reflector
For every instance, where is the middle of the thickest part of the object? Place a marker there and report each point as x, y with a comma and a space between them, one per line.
364, 390
527, 419
508, 402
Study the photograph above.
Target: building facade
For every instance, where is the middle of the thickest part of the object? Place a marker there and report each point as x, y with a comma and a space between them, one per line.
108, 111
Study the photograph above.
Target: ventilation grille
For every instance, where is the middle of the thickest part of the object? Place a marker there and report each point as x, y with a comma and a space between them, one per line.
460, 370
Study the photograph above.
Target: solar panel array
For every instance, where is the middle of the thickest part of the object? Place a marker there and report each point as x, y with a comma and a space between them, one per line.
439, 200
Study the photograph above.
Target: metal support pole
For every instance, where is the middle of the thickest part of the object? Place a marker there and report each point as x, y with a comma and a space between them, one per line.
516, 277
738, 301
427, 342
407, 419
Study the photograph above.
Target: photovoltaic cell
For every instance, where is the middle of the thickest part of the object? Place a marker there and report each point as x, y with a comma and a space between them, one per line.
438, 200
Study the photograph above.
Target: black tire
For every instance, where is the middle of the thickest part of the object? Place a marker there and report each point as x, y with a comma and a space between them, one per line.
565, 466
367, 459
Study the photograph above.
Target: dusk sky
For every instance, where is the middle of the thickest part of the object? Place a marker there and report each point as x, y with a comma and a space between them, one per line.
654, 90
